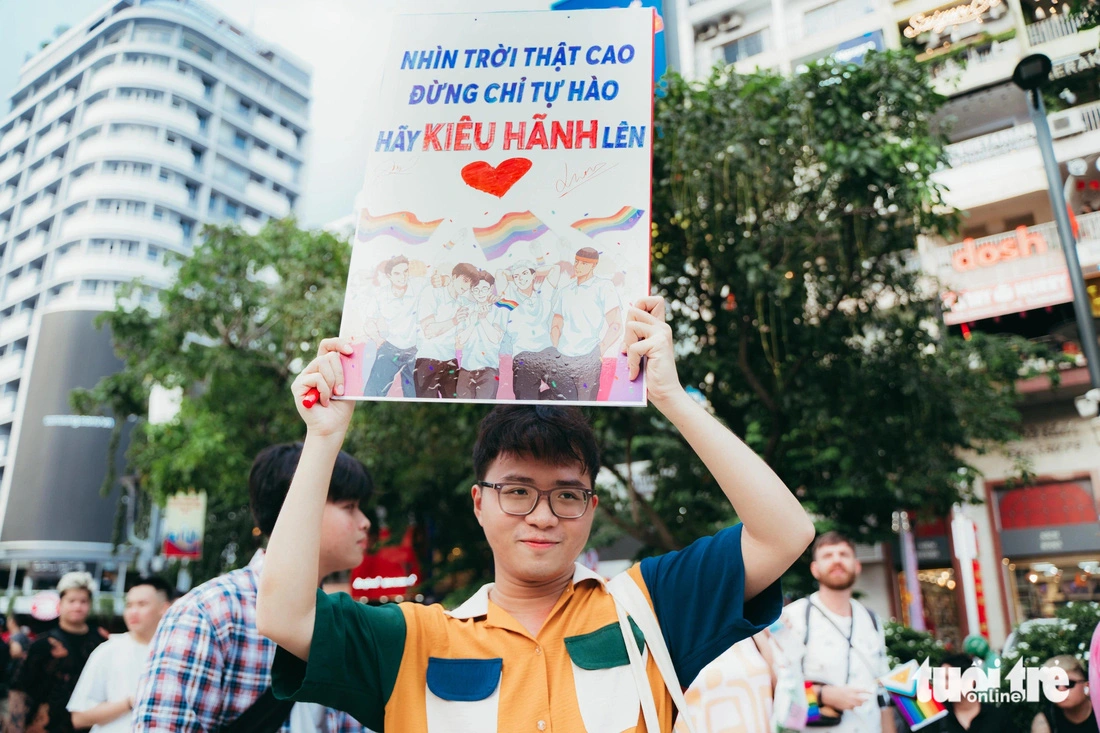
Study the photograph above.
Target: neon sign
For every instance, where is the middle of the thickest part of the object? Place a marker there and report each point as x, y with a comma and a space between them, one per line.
940, 20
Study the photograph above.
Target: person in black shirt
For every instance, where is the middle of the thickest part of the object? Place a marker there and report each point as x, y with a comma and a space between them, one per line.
1074, 714
972, 716
42, 687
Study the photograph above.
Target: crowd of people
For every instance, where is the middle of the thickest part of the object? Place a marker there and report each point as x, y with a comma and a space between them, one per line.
693, 640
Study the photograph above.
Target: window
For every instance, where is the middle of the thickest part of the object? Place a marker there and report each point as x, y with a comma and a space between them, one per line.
244, 108
123, 167
292, 100
145, 59
232, 210
196, 45
153, 254
744, 47
230, 173
153, 32
125, 128
240, 141
833, 14
293, 71
120, 206
114, 247
140, 95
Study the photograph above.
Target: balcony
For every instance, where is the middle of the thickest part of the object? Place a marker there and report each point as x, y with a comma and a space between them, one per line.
92, 185
7, 197
36, 212
104, 224
7, 407
58, 106
269, 166
10, 165
44, 174
51, 140
79, 264
134, 147
268, 201
12, 364
1051, 29
29, 249
274, 133
23, 286
251, 226
146, 75
125, 110
14, 136
14, 327
978, 66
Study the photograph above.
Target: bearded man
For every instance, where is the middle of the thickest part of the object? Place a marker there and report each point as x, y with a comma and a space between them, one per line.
838, 642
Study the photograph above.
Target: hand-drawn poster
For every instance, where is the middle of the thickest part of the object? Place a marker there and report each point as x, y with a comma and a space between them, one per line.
504, 223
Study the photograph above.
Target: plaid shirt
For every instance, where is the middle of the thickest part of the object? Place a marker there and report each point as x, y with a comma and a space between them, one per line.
209, 664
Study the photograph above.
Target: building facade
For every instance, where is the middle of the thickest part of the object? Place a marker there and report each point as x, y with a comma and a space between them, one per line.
124, 136
1037, 545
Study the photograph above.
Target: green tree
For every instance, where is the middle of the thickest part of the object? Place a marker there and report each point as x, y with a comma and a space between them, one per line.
786, 210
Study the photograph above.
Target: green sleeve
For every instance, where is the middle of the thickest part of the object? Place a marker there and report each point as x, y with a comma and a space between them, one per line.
353, 659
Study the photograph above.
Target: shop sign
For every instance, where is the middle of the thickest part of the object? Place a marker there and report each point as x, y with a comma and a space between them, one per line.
184, 526
940, 20
1022, 243
998, 299
856, 49
933, 551
1075, 64
1051, 540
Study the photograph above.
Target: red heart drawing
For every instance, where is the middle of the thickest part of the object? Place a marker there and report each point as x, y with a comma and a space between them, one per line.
495, 181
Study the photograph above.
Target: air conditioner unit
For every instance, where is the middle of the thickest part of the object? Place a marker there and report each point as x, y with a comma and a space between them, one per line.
730, 22
1069, 122
707, 32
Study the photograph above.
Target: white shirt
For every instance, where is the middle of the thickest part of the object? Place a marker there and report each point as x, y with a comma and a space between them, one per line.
398, 314
438, 304
584, 308
825, 657
529, 322
479, 351
111, 674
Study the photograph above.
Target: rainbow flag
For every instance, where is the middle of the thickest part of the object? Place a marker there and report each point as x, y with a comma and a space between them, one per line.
402, 225
505, 303
916, 713
901, 683
518, 226
620, 221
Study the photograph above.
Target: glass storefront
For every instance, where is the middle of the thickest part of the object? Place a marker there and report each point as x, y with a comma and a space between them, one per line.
1041, 585
941, 611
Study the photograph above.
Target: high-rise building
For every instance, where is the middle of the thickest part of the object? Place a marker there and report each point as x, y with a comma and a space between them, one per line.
125, 135
1038, 544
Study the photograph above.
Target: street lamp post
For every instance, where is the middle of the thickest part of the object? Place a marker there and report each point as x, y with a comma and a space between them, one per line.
1030, 75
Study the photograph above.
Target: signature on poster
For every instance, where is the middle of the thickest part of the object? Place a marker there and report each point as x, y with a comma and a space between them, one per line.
572, 180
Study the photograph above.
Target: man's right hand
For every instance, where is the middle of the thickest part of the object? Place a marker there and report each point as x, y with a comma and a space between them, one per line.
326, 375
843, 697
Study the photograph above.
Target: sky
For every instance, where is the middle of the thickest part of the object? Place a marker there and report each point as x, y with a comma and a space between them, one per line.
343, 40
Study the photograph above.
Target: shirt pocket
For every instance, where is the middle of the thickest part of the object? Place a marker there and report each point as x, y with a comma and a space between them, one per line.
463, 695
606, 692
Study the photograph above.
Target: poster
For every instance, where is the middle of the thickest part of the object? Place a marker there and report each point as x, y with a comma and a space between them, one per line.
503, 227
184, 526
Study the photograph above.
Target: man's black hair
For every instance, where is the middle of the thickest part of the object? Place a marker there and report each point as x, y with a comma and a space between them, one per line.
551, 434
273, 469
160, 585
960, 660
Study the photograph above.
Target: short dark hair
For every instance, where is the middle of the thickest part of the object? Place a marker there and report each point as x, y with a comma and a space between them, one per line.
273, 470
961, 660
552, 434
394, 262
466, 270
160, 585
588, 253
832, 537
486, 276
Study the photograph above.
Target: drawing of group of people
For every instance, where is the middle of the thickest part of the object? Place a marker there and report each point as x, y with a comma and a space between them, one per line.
442, 335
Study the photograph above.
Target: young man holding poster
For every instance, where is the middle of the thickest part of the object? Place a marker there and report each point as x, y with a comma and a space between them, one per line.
587, 323
541, 648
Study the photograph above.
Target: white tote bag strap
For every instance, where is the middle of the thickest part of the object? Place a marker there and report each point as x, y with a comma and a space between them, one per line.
637, 666
630, 599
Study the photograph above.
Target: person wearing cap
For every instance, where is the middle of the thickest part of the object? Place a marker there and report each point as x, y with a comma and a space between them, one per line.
587, 322
42, 688
530, 301
104, 694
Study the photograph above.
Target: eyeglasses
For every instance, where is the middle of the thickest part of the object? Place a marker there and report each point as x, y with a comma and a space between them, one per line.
519, 500
1069, 685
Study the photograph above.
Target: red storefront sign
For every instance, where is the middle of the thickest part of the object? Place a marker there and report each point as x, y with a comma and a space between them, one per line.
1038, 291
1048, 519
388, 573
